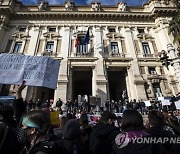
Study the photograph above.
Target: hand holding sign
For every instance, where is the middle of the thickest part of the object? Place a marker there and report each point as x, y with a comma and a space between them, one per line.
20, 89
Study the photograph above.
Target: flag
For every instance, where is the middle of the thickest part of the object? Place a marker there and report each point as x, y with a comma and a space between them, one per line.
86, 38
76, 41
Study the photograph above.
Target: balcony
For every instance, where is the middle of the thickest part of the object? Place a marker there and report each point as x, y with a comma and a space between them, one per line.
49, 53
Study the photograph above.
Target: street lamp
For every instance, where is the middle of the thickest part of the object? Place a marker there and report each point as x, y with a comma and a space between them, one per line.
164, 58
178, 51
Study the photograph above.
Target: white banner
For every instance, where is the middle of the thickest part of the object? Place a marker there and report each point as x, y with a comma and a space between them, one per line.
165, 102
177, 104
35, 70
147, 103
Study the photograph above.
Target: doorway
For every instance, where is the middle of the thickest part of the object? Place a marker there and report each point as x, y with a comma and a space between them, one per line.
117, 84
81, 83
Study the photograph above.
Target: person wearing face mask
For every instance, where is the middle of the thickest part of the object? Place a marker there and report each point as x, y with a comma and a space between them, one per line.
33, 134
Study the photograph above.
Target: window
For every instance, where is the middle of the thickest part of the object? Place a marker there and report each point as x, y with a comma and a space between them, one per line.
157, 90
52, 29
49, 46
114, 47
22, 29
152, 70
146, 48
112, 29
17, 47
82, 48
141, 30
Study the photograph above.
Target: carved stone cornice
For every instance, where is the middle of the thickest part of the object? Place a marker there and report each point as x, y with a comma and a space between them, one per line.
144, 36
84, 59
50, 35
85, 15
114, 35
20, 35
152, 77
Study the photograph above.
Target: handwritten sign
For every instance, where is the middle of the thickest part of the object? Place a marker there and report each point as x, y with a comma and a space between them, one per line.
35, 70
147, 103
165, 102
177, 104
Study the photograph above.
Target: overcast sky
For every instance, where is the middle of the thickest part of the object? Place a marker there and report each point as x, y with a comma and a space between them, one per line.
85, 2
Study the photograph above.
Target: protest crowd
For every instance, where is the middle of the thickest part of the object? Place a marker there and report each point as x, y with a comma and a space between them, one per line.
41, 128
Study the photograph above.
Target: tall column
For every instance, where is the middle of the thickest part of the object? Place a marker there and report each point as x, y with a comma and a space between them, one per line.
128, 85
94, 86
137, 81
100, 75
35, 34
176, 63
3, 32
61, 91
70, 84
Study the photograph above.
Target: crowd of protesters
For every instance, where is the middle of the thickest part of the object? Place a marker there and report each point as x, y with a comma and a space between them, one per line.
27, 129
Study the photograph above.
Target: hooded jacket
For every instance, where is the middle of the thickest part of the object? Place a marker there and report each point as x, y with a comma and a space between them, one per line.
102, 137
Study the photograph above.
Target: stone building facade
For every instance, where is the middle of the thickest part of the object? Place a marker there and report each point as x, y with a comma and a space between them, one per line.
122, 53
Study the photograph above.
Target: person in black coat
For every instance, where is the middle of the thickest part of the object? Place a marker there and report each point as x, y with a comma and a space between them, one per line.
72, 138
127, 141
103, 134
157, 129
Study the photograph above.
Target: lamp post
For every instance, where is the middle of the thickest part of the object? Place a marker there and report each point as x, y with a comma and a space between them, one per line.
174, 60
164, 58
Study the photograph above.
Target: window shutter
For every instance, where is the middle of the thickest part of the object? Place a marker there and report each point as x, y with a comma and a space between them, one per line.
8, 46
26, 47
105, 46
142, 70
124, 50
137, 47
40, 46
58, 49
155, 48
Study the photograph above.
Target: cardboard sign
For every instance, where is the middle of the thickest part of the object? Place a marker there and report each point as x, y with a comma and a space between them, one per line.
165, 102
54, 117
177, 104
147, 103
35, 70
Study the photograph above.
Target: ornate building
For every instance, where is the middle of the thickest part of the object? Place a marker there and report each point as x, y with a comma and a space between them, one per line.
122, 53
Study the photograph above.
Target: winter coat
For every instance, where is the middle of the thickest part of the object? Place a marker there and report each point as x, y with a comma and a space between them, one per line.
102, 137
127, 142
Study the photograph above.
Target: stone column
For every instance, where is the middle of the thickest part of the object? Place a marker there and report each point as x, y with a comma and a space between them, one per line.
94, 86
3, 32
128, 87
61, 91
70, 84
100, 69
136, 81
33, 44
176, 62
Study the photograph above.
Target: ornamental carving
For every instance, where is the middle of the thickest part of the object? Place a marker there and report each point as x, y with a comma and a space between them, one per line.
42, 6
122, 6
51, 35
96, 6
20, 35
69, 6
144, 36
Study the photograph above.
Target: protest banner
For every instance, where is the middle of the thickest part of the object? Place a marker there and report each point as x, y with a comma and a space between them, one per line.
35, 70
177, 104
165, 102
54, 117
147, 103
